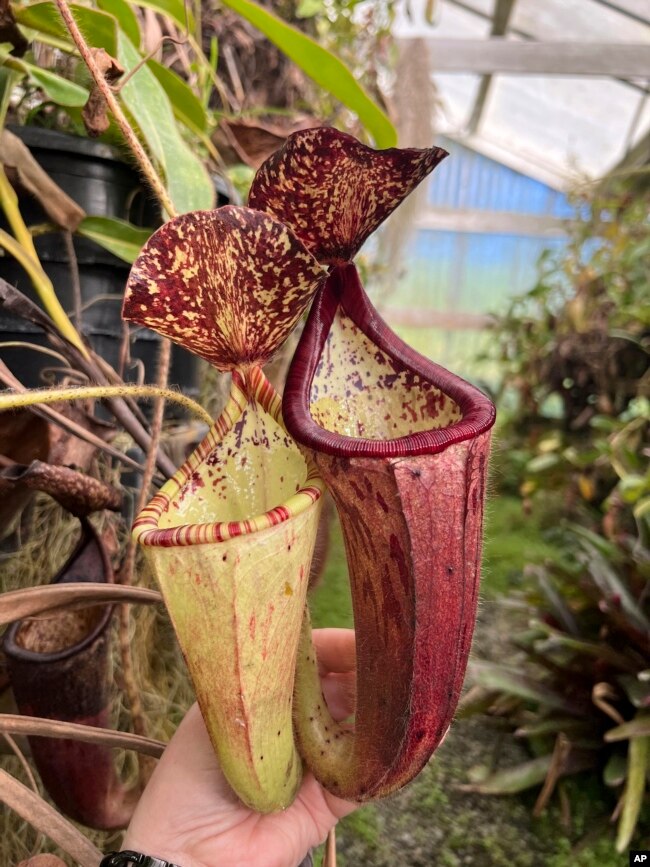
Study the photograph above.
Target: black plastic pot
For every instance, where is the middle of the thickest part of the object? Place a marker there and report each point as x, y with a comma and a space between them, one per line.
96, 177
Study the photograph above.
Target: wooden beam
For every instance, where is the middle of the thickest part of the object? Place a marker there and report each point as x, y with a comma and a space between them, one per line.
491, 222
515, 31
450, 320
539, 58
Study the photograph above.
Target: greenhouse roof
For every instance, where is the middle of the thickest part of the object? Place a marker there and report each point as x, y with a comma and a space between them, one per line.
557, 89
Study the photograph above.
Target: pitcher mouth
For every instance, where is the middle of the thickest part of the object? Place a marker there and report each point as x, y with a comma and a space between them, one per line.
147, 529
344, 293
13, 644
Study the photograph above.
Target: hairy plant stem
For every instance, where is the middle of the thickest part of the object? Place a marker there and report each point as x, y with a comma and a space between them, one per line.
164, 356
17, 400
127, 131
127, 572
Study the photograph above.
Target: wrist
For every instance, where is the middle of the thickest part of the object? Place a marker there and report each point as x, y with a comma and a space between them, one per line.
180, 858
174, 856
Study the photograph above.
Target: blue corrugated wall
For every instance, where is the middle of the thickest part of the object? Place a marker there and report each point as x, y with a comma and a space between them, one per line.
471, 272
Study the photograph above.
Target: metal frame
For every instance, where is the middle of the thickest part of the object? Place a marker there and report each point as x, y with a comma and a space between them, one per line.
499, 55
502, 15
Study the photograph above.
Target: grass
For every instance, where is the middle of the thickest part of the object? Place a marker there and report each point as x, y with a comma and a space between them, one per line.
330, 603
512, 539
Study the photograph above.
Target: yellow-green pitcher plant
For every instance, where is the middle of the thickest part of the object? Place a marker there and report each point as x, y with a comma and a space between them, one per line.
230, 536
401, 444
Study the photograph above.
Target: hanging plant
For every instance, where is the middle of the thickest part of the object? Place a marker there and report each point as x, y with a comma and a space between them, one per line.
401, 444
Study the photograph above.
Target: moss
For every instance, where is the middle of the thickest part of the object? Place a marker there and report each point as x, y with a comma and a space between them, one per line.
602, 853
427, 795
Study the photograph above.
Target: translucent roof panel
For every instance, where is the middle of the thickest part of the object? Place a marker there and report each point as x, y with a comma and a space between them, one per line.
555, 128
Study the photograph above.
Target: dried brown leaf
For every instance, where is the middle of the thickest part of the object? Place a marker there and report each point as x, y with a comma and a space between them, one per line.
17, 604
95, 111
250, 142
45, 818
559, 758
44, 860
61, 209
9, 30
49, 728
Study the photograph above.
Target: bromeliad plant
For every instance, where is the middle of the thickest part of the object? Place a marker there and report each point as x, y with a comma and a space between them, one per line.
401, 443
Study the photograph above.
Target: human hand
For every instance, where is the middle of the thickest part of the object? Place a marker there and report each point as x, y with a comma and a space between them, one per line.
189, 815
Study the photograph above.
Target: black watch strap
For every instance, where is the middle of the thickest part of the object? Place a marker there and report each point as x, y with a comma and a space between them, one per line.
129, 858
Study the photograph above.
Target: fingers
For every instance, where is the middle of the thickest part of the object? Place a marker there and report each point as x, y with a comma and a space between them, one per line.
335, 649
340, 693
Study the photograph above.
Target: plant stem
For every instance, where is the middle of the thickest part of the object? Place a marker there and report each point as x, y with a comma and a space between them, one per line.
164, 358
17, 400
127, 131
128, 570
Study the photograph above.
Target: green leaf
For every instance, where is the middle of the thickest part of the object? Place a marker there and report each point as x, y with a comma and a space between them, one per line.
58, 89
636, 689
553, 725
125, 16
122, 239
187, 180
541, 463
633, 487
636, 728
638, 760
615, 770
600, 650
510, 681
598, 556
511, 781
174, 9
63, 92
321, 66
99, 28
309, 8
186, 105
